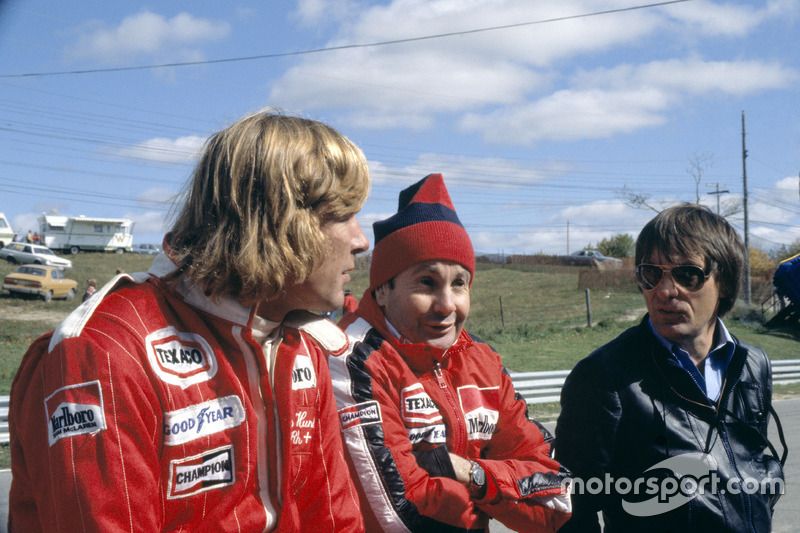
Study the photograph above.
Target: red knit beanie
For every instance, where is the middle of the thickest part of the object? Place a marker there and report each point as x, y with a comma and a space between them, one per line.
425, 228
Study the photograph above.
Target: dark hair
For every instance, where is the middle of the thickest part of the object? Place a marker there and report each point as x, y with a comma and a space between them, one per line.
693, 230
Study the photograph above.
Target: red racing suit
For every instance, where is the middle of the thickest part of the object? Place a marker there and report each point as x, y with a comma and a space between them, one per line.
403, 407
162, 412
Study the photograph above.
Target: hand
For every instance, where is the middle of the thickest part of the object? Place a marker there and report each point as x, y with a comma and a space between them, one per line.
461, 467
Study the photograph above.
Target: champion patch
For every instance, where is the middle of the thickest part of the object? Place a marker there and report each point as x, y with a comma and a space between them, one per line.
417, 407
207, 471
202, 419
179, 357
481, 408
303, 374
360, 414
74, 410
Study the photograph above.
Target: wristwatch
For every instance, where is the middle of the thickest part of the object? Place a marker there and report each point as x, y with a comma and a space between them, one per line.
477, 480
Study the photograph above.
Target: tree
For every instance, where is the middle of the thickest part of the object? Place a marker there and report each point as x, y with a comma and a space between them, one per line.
620, 245
760, 263
786, 251
698, 164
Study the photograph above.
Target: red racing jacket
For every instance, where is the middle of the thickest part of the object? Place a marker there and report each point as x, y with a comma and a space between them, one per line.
153, 408
403, 407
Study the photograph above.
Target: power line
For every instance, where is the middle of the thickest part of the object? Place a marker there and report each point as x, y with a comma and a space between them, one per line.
341, 47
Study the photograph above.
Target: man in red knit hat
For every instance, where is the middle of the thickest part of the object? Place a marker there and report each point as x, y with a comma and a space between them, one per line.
437, 436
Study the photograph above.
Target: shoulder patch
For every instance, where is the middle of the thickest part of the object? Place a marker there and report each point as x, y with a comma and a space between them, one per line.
321, 329
74, 410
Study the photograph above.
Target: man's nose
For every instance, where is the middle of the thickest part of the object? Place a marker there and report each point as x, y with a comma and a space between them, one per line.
360, 243
444, 301
667, 285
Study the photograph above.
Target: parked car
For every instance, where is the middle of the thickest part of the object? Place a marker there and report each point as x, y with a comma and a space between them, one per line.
24, 253
596, 255
47, 282
147, 249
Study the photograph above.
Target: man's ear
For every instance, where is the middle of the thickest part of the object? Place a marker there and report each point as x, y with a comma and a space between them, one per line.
382, 295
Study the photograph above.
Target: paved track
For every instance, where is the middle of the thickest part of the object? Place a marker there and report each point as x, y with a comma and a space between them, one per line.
787, 513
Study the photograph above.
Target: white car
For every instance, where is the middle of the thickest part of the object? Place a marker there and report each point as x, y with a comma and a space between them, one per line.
146, 249
24, 253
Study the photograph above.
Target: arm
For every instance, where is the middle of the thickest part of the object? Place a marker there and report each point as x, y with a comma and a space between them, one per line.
585, 435
343, 513
85, 437
400, 494
524, 485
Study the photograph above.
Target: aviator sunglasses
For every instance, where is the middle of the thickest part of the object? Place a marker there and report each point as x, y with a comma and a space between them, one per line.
690, 277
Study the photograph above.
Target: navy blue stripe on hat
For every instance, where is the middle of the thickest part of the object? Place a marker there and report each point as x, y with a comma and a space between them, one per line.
414, 214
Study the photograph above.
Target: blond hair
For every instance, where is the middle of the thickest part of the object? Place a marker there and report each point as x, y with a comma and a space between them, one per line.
251, 222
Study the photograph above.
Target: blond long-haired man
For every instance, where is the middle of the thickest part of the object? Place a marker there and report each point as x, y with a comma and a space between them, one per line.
197, 395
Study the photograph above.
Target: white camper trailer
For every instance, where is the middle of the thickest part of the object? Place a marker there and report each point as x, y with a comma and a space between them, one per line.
73, 234
6, 233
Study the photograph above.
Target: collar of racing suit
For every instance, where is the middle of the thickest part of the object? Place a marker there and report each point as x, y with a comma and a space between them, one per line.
419, 356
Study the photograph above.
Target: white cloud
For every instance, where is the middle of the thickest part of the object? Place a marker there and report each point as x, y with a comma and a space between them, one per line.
692, 76
146, 34
149, 225
623, 99
477, 172
732, 20
23, 222
571, 115
791, 183
180, 150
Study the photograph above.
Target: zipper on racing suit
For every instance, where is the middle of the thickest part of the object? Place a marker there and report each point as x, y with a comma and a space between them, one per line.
460, 431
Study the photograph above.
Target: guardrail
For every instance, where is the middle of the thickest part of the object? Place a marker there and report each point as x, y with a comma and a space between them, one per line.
535, 387
545, 387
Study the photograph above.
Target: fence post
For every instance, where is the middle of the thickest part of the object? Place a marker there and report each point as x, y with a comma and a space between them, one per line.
588, 309
502, 318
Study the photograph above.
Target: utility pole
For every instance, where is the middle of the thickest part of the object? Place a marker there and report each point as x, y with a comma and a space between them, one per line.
717, 193
747, 291
567, 237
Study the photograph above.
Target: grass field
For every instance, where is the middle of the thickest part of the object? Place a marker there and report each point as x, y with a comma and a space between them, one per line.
542, 325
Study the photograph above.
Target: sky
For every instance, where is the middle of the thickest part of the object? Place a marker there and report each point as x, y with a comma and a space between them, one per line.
556, 123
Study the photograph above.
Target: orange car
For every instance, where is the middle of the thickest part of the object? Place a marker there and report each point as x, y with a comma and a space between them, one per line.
45, 281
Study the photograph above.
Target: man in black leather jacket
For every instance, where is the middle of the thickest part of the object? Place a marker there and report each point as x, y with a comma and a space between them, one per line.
665, 427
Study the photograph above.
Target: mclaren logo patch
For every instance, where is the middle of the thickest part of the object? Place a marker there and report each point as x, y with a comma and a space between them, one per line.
303, 375
481, 408
360, 414
207, 471
417, 407
202, 419
74, 410
180, 358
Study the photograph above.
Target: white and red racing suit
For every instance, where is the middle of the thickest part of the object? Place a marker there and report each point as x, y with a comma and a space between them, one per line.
154, 408
403, 407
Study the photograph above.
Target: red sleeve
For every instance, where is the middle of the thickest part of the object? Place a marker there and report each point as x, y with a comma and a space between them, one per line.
524, 484
84, 436
342, 512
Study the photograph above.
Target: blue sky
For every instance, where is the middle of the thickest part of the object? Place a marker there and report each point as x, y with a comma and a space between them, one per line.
545, 132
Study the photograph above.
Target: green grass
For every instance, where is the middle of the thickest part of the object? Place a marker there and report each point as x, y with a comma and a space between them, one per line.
543, 325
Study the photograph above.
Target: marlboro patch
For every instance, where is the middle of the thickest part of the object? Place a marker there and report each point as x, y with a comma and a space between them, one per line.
74, 410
